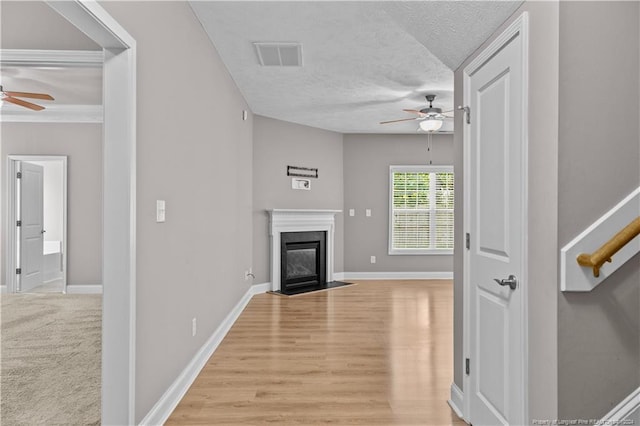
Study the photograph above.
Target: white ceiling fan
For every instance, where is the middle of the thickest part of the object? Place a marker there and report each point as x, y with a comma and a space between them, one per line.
430, 118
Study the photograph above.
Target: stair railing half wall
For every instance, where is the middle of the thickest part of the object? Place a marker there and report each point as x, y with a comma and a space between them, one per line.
619, 229
611, 247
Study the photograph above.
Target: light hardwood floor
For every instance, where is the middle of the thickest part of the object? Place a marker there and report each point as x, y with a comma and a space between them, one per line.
376, 353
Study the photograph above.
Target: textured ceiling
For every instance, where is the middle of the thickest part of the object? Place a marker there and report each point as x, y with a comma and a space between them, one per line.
363, 61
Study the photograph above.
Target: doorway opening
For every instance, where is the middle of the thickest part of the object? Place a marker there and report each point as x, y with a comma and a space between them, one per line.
37, 212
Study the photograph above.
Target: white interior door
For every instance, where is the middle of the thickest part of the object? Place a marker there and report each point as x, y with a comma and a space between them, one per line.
31, 230
496, 224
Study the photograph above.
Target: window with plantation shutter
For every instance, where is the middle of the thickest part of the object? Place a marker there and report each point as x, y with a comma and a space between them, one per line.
421, 210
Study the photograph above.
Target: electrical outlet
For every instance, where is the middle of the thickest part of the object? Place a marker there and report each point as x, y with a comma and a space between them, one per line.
352, 212
367, 212
248, 274
373, 259
194, 327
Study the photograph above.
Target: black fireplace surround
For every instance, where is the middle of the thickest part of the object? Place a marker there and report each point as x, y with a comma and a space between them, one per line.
303, 260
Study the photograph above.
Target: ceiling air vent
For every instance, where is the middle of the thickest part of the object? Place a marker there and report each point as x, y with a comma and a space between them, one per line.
279, 54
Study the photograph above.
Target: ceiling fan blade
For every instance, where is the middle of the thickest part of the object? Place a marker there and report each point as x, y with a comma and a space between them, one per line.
415, 111
395, 121
22, 103
446, 112
30, 95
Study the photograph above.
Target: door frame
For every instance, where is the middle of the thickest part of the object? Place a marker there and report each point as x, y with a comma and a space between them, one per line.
519, 29
11, 240
119, 204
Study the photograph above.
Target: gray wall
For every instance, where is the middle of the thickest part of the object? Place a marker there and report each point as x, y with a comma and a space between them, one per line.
366, 186
82, 143
277, 144
194, 151
598, 338
542, 212
47, 28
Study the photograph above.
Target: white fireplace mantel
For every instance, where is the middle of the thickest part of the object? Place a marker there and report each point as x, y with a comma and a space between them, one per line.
299, 220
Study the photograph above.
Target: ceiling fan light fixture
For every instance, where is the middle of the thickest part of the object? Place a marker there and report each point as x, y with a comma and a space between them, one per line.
430, 124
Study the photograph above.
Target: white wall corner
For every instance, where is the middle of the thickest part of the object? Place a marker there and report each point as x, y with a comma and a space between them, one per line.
626, 412
84, 289
163, 408
456, 402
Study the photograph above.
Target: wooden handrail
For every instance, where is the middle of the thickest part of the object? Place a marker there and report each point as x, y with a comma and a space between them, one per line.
596, 259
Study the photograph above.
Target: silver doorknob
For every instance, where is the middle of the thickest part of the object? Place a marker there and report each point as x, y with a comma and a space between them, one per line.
43, 231
512, 282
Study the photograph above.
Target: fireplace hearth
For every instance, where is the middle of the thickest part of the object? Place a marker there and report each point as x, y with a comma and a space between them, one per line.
303, 260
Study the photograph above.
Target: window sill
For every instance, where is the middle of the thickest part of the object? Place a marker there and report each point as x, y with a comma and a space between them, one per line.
418, 252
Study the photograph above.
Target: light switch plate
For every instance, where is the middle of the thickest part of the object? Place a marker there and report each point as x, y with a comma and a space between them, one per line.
367, 212
160, 211
352, 212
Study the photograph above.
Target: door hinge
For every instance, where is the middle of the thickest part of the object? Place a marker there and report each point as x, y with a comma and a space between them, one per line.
467, 240
18, 271
19, 175
467, 112
467, 368
19, 223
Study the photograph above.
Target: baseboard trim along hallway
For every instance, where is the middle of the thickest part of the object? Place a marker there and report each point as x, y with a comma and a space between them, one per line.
73, 289
84, 289
342, 276
167, 403
457, 400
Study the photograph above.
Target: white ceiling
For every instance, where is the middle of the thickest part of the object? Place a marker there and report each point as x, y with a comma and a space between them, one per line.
363, 62
75, 88
68, 85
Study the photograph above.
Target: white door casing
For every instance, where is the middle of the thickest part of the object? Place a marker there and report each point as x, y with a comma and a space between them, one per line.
495, 217
119, 204
32, 226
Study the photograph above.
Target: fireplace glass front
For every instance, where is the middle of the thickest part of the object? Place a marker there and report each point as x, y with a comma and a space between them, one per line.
303, 259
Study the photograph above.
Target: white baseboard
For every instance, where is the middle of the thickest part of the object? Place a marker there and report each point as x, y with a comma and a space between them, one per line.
3, 289
457, 400
627, 412
397, 275
84, 289
260, 288
161, 411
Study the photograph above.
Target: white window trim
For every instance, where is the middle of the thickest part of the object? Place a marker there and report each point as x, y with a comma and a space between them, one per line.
412, 169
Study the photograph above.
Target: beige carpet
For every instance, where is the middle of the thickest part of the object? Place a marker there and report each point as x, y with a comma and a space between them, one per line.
50, 363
